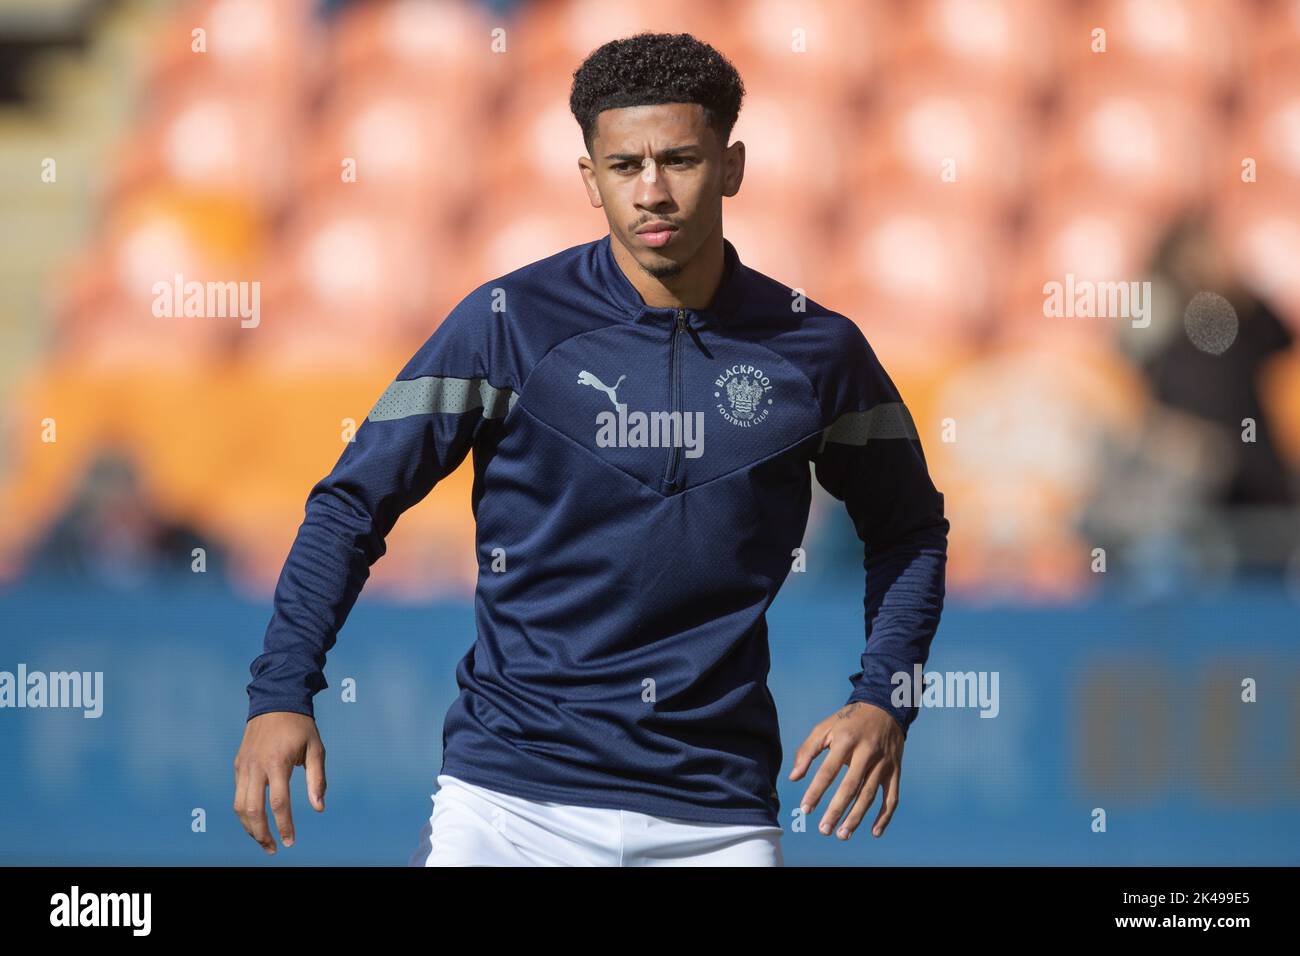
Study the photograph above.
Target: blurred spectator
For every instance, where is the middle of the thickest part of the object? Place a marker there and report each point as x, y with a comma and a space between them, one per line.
110, 534
1208, 364
1190, 497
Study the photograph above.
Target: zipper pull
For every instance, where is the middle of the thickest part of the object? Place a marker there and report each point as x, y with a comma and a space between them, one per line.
681, 319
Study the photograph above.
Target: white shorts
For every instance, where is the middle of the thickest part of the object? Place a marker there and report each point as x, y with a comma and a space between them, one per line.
474, 826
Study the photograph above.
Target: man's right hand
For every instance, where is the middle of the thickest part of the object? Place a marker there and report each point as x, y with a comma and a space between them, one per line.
275, 743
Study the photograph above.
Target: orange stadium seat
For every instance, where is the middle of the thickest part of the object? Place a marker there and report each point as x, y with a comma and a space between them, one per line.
403, 150
532, 149
910, 261
967, 148
438, 48
263, 48
796, 155
1191, 48
1085, 234
116, 337
106, 308
204, 135
556, 37
791, 247
1266, 130
1005, 46
825, 53
510, 231
1145, 146
345, 271
1274, 39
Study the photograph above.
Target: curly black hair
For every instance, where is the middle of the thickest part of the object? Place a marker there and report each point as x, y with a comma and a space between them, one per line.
650, 68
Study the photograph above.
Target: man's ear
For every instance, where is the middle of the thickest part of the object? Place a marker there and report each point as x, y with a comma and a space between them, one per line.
588, 171
733, 164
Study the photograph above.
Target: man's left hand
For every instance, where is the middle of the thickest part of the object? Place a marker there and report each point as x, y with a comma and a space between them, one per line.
869, 741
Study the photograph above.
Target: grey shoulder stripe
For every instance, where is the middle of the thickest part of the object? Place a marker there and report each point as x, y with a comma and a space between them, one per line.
886, 420
439, 393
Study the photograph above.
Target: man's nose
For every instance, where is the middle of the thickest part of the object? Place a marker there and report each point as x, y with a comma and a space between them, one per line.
651, 188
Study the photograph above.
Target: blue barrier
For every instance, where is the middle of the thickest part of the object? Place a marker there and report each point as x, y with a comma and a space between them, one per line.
1134, 710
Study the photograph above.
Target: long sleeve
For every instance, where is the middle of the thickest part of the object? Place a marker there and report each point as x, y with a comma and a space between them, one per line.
418, 432
871, 459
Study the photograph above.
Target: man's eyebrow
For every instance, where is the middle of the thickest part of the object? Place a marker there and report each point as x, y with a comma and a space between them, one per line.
637, 157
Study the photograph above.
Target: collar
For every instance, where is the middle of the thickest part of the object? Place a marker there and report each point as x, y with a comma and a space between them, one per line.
625, 296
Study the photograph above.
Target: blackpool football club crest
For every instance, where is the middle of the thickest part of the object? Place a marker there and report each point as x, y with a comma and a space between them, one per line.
742, 394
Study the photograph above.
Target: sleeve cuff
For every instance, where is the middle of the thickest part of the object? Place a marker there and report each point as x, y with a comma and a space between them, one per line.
257, 708
903, 716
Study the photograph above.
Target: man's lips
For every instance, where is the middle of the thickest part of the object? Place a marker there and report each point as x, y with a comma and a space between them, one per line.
656, 233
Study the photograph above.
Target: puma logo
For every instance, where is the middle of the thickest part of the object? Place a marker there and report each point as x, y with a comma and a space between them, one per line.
640, 430
586, 378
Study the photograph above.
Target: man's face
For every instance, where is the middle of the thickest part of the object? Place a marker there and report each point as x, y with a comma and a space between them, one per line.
662, 164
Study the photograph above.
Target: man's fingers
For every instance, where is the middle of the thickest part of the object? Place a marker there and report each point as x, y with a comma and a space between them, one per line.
316, 774
866, 796
241, 804
889, 803
240, 784
813, 744
847, 792
280, 807
274, 743
255, 809
823, 778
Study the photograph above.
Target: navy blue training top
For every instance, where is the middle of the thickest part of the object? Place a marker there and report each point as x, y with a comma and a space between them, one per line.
641, 490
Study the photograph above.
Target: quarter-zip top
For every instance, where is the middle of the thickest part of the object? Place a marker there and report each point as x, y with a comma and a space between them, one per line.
635, 520
670, 477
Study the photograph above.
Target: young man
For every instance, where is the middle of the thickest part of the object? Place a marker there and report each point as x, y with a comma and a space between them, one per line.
644, 412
